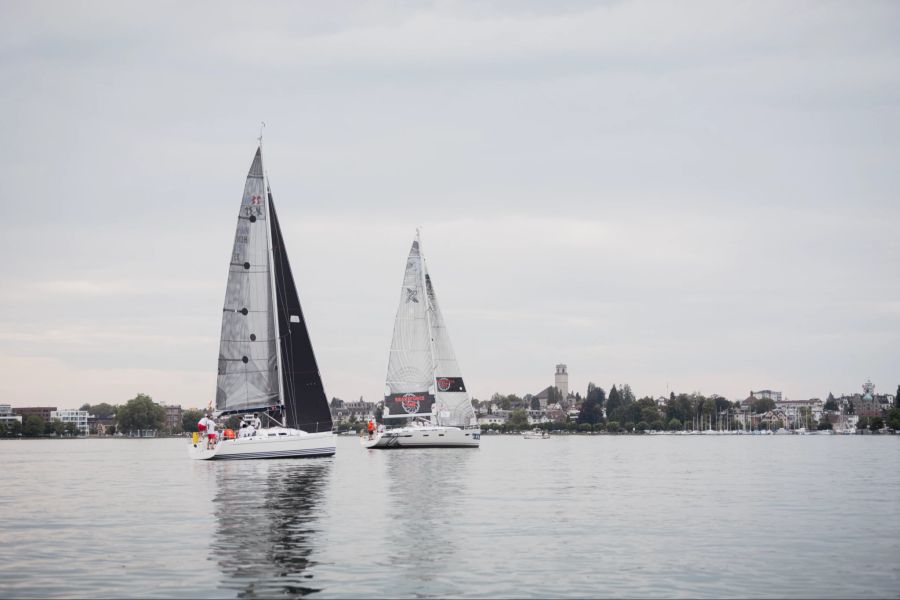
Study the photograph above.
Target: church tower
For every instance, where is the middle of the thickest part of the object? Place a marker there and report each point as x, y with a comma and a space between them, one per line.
562, 381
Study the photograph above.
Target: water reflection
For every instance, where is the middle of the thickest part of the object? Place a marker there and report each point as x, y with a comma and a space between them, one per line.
426, 492
267, 516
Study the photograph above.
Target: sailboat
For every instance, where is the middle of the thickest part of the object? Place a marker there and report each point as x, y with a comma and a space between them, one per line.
267, 365
425, 403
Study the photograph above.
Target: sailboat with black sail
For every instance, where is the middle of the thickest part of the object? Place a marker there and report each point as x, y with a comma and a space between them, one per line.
425, 403
266, 361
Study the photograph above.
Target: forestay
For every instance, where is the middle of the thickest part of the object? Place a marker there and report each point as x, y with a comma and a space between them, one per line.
248, 376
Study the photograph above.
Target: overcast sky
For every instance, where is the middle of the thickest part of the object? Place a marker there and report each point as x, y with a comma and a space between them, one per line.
681, 196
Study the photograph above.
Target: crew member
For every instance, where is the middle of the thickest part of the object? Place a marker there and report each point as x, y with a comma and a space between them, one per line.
371, 427
255, 422
210, 432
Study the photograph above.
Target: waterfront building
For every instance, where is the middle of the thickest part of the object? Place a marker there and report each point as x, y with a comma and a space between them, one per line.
173, 418
7, 416
545, 396
768, 394
797, 409
343, 411
41, 411
494, 418
867, 404
78, 417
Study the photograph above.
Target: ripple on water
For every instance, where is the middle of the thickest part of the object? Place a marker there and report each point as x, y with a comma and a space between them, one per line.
570, 516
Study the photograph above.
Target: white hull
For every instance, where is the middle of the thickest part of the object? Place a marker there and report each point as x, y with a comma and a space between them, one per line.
424, 437
277, 442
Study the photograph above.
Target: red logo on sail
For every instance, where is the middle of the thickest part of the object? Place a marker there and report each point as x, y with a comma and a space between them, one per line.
411, 402
443, 384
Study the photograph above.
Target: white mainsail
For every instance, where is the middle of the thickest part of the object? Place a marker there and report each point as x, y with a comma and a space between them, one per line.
248, 373
452, 406
410, 375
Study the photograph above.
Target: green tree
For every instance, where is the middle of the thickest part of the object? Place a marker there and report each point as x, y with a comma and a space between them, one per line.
189, 419
33, 426
824, 425
862, 423
893, 419
597, 395
535, 403
897, 398
674, 425
518, 419
101, 411
762, 405
612, 426
642, 426
233, 422
140, 413
876, 424
613, 403
71, 429
590, 413
831, 403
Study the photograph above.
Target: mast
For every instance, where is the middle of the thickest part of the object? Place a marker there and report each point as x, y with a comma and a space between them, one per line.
268, 192
436, 415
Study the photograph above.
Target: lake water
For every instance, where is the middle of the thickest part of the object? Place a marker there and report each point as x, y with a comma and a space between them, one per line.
570, 516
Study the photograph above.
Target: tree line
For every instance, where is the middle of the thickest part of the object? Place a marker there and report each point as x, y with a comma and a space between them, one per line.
138, 414
621, 411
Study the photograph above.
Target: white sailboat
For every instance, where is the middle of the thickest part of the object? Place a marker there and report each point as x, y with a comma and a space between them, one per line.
266, 361
425, 401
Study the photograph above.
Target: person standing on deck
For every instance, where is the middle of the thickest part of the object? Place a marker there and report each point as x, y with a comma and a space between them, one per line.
255, 422
210, 432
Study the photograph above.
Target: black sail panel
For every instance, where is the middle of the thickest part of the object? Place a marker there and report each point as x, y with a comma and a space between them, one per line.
306, 406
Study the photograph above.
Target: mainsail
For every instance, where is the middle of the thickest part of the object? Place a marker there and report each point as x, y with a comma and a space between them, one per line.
409, 386
248, 373
263, 328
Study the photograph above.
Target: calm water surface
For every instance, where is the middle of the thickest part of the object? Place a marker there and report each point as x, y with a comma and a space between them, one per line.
569, 516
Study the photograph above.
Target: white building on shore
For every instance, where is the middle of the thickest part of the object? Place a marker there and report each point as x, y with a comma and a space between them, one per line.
79, 417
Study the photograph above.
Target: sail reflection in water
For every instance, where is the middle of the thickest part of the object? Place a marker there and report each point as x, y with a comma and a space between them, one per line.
426, 511
266, 525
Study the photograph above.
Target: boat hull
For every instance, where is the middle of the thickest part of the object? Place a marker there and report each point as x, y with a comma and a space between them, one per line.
423, 437
269, 443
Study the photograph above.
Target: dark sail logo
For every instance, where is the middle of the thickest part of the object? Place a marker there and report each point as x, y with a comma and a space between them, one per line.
450, 384
411, 296
411, 402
